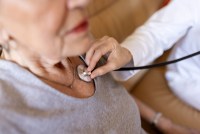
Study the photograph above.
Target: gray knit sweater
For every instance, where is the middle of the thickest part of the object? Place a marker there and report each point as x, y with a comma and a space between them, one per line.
29, 106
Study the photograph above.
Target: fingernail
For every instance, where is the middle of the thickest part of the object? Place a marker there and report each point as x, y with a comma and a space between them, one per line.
92, 76
89, 69
86, 61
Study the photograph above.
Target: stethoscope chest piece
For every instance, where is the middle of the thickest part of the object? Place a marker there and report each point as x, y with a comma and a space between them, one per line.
83, 73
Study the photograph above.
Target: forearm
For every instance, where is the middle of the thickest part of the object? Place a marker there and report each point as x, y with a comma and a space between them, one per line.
160, 32
164, 124
146, 112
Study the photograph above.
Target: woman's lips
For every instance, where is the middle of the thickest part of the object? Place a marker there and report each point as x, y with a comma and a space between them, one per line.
82, 27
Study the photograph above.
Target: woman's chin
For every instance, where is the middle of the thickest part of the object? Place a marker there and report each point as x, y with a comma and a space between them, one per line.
78, 47
83, 49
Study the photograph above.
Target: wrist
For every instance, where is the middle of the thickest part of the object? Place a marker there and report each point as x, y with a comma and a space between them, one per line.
164, 124
156, 118
128, 56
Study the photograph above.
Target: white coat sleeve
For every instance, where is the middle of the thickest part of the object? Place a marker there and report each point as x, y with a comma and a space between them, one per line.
158, 34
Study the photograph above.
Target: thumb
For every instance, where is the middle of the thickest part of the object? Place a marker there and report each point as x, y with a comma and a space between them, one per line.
102, 70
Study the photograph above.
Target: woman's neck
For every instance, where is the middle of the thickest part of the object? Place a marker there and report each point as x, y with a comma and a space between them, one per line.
57, 71
61, 75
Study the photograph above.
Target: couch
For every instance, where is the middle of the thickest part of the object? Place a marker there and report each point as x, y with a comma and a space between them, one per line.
119, 18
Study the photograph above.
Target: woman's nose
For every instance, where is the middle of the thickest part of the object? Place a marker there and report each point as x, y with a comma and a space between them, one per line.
76, 3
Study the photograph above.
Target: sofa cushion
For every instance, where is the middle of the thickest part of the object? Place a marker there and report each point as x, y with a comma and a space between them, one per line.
97, 6
119, 18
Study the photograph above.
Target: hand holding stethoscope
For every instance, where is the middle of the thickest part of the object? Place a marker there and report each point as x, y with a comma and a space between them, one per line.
117, 58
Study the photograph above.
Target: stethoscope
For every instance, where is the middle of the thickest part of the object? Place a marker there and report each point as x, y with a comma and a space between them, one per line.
85, 75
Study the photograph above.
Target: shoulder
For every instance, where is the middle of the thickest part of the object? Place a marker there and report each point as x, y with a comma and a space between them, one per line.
10, 82
6, 126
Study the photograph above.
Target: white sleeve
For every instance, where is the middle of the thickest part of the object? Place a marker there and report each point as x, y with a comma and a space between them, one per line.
158, 34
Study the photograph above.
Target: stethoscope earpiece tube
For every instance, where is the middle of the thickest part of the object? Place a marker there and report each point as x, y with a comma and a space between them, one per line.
159, 64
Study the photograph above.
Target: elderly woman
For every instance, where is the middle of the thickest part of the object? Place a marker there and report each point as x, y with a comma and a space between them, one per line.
40, 91
43, 43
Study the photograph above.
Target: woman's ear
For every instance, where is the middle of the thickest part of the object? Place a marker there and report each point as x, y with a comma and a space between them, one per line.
6, 43
1, 49
4, 38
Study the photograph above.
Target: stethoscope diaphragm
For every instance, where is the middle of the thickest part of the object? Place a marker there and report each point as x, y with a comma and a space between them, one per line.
83, 73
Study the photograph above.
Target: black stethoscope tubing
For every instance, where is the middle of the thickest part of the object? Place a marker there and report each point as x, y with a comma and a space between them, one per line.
159, 64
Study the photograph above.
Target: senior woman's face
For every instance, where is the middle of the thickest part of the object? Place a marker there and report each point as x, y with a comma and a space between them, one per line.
51, 29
